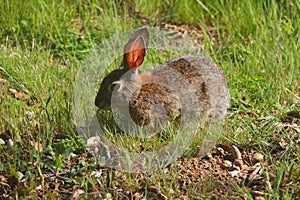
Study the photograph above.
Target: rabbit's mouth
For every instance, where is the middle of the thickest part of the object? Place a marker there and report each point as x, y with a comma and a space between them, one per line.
107, 108
103, 106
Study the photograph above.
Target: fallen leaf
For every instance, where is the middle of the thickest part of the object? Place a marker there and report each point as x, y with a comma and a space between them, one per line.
19, 94
234, 173
258, 157
12, 91
77, 193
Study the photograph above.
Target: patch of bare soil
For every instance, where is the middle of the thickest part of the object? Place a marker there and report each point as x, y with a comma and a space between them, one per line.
217, 175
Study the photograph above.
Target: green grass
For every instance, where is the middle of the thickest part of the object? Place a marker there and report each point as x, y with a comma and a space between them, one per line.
44, 43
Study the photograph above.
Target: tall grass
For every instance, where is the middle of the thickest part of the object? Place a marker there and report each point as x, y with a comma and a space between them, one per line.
43, 44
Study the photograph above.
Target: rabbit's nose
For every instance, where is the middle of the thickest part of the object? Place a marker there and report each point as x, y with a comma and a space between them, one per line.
98, 103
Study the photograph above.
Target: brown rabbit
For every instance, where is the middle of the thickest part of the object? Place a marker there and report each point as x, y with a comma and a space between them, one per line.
178, 89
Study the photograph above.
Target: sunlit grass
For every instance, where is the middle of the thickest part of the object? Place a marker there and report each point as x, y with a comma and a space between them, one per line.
44, 43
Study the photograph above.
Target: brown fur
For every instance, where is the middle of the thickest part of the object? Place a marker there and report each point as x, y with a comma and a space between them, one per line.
183, 87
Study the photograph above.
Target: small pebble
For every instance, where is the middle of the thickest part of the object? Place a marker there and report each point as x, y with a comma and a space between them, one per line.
10, 143
258, 193
234, 173
236, 152
259, 198
108, 196
238, 162
245, 167
221, 150
258, 157
226, 164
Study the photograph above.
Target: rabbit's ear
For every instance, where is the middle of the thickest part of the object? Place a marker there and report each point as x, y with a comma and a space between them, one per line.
136, 48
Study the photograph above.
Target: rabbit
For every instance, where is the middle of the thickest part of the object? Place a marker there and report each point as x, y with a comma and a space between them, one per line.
182, 87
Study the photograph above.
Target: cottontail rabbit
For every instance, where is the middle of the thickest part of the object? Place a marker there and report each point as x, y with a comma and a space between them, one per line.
183, 87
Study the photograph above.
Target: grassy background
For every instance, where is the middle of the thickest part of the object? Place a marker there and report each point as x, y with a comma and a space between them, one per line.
43, 44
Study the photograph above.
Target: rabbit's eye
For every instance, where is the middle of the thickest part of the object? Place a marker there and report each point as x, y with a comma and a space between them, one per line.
114, 86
